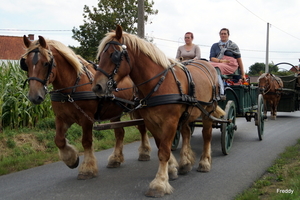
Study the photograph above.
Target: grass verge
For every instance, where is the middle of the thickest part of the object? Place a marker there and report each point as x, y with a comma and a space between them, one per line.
26, 148
281, 181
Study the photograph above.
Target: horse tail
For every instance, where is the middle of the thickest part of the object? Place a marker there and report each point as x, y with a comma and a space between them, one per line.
219, 112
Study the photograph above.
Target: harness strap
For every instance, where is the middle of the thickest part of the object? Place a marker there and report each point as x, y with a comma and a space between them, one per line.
172, 99
207, 72
192, 91
77, 96
118, 99
162, 78
177, 81
179, 99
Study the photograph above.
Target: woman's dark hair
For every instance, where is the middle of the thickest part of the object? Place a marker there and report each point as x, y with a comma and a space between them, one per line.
224, 29
192, 35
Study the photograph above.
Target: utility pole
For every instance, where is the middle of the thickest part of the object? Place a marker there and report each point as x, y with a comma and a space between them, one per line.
267, 51
141, 23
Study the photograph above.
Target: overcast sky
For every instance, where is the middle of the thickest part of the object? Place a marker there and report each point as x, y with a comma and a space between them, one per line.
246, 20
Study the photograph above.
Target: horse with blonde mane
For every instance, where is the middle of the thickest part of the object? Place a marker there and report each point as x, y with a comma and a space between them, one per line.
171, 96
51, 62
271, 88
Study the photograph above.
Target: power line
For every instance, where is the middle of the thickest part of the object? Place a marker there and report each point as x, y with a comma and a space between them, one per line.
266, 21
202, 45
32, 30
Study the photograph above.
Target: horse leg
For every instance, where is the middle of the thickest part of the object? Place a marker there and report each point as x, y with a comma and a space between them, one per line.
172, 168
273, 109
117, 157
160, 185
145, 147
265, 109
205, 160
187, 156
67, 153
88, 168
275, 104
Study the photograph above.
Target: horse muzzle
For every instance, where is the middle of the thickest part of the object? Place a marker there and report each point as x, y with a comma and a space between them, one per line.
261, 90
101, 89
36, 98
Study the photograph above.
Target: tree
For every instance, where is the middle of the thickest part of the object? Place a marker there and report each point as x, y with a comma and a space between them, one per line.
259, 68
99, 21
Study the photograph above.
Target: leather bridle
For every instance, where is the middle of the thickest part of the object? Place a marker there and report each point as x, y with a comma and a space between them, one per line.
116, 57
49, 64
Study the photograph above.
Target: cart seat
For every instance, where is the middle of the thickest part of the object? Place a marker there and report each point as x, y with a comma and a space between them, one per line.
236, 75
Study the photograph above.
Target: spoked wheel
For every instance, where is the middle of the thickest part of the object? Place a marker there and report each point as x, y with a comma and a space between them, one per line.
227, 130
177, 136
176, 140
260, 120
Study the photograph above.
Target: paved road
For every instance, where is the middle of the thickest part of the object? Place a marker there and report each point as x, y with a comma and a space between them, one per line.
230, 175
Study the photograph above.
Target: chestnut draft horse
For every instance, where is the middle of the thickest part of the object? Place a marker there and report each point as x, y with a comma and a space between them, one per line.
170, 96
50, 61
271, 88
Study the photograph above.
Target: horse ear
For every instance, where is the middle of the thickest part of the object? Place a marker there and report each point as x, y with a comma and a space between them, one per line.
42, 42
119, 31
26, 41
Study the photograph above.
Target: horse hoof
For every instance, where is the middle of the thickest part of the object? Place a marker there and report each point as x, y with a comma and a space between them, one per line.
154, 193
202, 169
113, 165
144, 158
86, 176
75, 164
183, 170
173, 176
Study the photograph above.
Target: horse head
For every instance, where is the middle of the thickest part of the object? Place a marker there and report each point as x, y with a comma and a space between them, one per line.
111, 68
264, 83
38, 62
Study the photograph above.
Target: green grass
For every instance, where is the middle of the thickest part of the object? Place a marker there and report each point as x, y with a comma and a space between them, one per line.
283, 174
25, 148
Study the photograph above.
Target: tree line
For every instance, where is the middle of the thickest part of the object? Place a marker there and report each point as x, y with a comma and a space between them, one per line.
107, 14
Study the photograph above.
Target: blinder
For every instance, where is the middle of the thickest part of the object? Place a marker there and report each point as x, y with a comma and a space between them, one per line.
49, 64
116, 57
23, 65
34, 60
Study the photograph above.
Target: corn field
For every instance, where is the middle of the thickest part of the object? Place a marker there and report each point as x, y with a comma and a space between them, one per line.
16, 110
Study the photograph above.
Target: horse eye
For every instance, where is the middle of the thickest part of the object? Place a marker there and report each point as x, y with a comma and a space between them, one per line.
47, 64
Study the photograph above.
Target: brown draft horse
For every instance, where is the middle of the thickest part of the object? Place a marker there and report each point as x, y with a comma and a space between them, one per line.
161, 83
49, 61
271, 88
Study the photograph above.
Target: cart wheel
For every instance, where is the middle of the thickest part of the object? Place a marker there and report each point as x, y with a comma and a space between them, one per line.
177, 136
192, 127
227, 130
260, 117
176, 140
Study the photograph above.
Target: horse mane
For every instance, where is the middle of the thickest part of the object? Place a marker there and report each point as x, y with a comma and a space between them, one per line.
63, 50
139, 45
262, 76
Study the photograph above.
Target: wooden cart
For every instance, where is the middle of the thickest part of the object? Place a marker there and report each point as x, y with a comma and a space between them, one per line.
290, 96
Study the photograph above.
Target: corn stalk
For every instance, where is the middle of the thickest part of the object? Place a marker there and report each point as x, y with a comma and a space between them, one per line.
16, 110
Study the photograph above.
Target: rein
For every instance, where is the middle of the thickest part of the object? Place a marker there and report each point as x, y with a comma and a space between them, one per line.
181, 98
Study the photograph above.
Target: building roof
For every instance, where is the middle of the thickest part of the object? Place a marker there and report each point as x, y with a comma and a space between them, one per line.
11, 47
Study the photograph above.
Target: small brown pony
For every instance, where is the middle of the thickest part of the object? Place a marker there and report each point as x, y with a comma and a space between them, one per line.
170, 96
49, 61
271, 88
